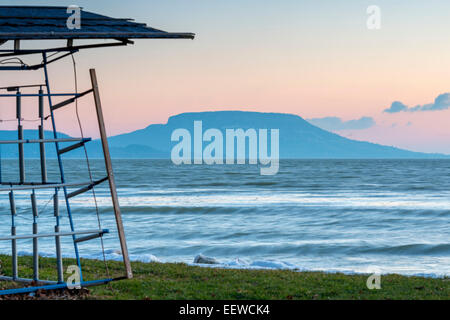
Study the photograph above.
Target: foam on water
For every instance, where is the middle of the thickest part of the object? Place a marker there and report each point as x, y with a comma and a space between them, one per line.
239, 263
346, 216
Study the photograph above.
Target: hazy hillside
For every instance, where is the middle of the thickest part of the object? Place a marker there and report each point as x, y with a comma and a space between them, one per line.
298, 138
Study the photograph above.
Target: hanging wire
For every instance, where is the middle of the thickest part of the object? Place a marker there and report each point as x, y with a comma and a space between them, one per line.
51, 55
45, 205
89, 166
25, 120
40, 212
14, 60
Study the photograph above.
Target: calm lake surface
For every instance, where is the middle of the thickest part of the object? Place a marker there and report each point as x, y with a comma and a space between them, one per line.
391, 216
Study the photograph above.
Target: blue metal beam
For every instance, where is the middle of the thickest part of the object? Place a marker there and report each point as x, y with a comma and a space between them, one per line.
53, 287
40, 95
60, 163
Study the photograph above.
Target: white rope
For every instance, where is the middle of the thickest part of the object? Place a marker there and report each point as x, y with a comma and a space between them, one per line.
88, 164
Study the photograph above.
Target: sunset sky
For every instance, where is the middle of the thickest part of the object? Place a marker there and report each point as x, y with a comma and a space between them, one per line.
312, 58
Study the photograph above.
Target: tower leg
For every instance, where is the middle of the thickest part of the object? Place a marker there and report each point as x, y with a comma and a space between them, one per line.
20, 136
13, 233
42, 137
59, 262
109, 170
35, 240
60, 164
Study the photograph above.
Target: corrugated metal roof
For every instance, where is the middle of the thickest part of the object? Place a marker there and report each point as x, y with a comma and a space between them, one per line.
44, 22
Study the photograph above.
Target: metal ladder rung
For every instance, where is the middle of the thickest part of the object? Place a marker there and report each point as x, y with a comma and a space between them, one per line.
85, 189
23, 187
74, 146
25, 141
91, 237
16, 183
71, 100
25, 280
54, 234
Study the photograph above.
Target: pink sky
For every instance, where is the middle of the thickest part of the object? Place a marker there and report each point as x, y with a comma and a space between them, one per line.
305, 58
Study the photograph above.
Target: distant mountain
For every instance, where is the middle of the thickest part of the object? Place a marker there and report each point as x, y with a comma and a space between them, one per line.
298, 138
32, 151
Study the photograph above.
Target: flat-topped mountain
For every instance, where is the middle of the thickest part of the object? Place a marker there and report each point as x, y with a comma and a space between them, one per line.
297, 138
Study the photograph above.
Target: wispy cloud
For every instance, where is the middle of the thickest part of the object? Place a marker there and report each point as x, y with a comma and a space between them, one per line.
442, 102
336, 124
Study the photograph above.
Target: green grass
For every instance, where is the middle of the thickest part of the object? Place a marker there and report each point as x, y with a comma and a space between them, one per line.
158, 281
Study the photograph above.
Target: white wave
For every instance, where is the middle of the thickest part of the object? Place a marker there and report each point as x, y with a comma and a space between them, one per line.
280, 198
240, 263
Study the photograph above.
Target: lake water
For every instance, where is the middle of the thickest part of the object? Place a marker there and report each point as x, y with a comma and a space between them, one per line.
391, 216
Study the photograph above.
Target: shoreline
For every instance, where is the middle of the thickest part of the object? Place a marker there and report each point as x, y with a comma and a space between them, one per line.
165, 281
242, 264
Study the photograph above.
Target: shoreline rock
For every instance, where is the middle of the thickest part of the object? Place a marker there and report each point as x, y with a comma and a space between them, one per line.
201, 259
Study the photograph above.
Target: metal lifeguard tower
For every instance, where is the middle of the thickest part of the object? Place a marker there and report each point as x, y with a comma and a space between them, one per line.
21, 23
